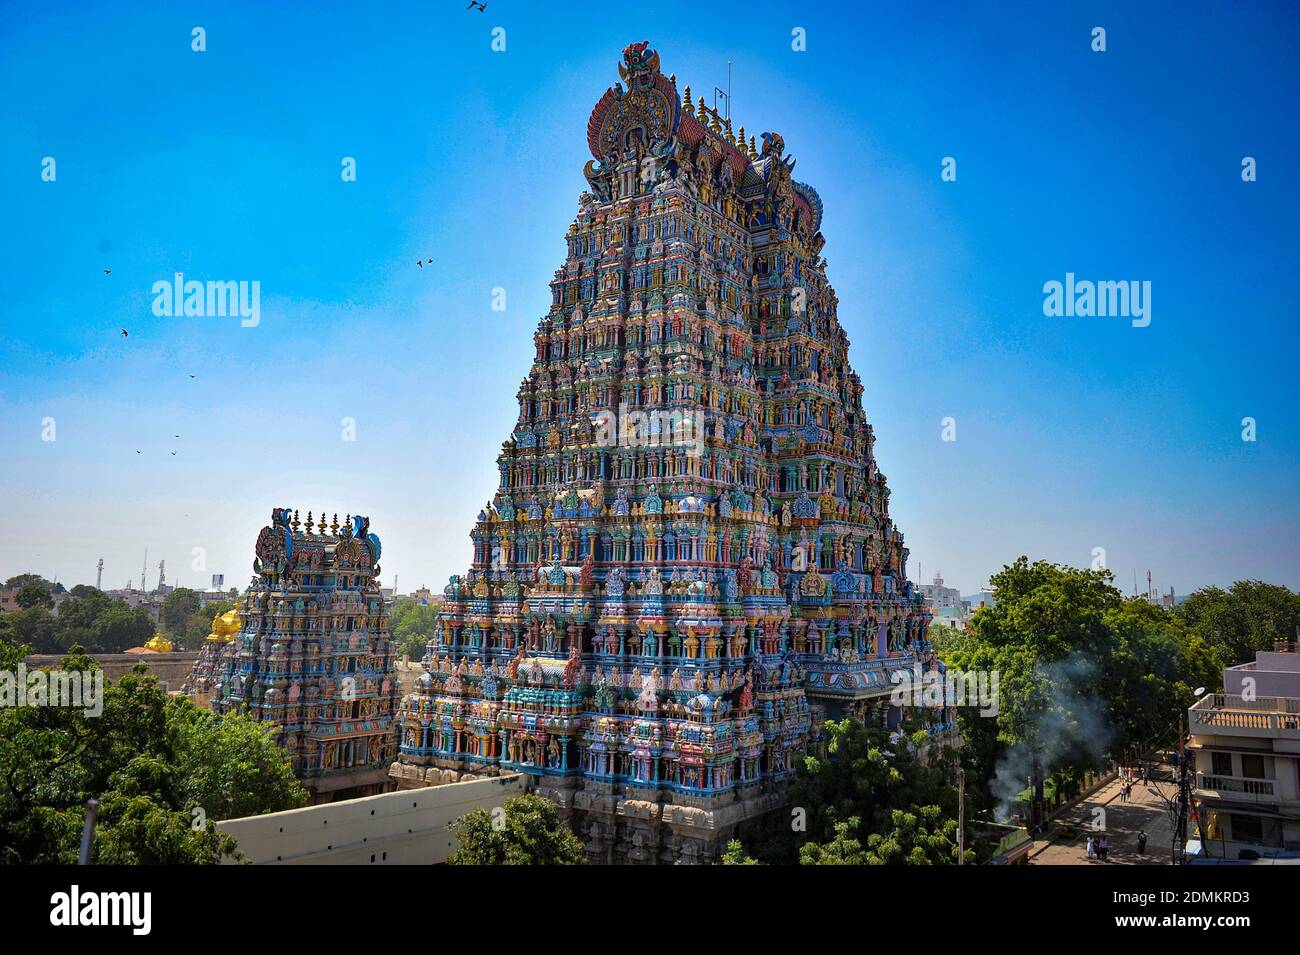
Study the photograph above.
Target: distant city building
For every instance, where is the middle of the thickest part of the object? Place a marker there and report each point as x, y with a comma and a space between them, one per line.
314, 655
1246, 744
214, 595
424, 596
981, 598
945, 603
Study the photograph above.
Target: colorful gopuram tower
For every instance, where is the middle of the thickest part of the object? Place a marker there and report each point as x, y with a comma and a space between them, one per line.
689, 560
314, 656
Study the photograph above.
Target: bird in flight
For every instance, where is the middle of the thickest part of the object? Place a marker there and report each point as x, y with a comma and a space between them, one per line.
125, 333
475, 3
191, 376
173, 454
107, 271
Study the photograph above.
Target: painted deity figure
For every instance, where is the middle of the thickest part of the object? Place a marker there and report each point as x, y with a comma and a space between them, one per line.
649, 698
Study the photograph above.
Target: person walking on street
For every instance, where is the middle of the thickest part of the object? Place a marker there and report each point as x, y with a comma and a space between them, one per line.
1103, 847
1142, 841
1092, 849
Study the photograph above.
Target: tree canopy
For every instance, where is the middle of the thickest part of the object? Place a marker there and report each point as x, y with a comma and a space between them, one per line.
841, 801
1247, 617
526, 831
163, 770
1085, 676
412, 625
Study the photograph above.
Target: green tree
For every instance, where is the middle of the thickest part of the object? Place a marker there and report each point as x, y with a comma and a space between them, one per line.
735, 854
120, 627
20, 581
413, 626
922, 837
34, 595
77, 616
34, 627
150, 760
229, 765
529, 833
1247, 617
1085, 675
177, 608
866, 773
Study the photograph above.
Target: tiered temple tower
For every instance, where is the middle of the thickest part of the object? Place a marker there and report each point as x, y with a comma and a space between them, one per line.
215, 658
314, 656
689, 560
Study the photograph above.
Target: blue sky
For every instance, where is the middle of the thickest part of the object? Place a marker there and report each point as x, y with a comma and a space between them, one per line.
1072, 433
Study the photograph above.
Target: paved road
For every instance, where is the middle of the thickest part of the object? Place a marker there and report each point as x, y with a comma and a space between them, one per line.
1144, 810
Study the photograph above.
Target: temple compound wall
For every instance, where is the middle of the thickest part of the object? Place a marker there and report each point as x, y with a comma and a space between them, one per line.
398, 828
171, 669
688, 563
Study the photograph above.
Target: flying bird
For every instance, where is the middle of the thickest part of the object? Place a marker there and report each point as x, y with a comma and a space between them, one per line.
124, 332
107, 271
419, 264
475, 3
173, 454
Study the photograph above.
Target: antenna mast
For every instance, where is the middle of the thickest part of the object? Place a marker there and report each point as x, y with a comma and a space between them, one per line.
725, 94
99, 574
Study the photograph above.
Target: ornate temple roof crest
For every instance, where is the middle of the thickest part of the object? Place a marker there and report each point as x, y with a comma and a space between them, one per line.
642, 64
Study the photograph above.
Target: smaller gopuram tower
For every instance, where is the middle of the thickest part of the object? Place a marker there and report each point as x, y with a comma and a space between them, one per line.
215, 658
314, 655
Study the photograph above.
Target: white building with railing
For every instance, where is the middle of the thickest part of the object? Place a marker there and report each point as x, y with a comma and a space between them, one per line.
1246, 743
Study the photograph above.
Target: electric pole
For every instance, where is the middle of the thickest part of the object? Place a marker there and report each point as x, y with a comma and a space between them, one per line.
99, 575
961, 816
1184, 795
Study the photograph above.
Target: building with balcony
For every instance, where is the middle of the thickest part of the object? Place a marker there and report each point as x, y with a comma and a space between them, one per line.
1246, 745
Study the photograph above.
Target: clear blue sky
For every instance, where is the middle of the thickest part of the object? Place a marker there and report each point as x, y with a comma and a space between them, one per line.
1072, 433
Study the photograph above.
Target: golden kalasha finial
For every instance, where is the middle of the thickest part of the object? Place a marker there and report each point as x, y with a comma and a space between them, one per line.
334, 525
701, 111
741, 139
730, 136
753, 150
309, 522
296, 524
686, 102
